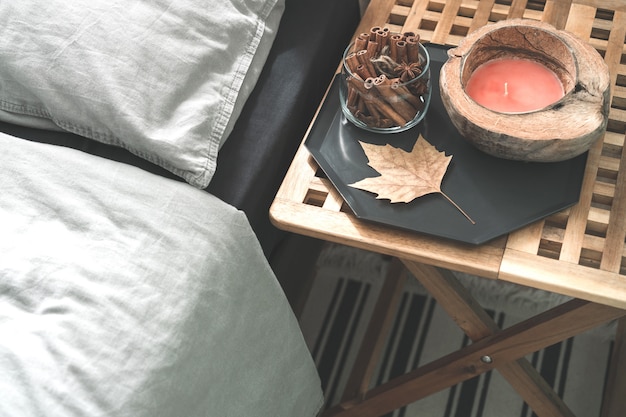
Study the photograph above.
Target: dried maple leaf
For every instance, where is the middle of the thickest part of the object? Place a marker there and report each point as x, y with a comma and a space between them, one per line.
406, 176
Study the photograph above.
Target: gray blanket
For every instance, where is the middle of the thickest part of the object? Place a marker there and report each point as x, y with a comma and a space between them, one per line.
127, 294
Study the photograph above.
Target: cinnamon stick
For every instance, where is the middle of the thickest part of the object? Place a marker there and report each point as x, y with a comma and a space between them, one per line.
401, 52
412, 48
363, 72
361, 41
373, 31
370, 94
401, 106
382, 38
372, 48
352, 61
393, 43
406, 94
352, 97
365, 59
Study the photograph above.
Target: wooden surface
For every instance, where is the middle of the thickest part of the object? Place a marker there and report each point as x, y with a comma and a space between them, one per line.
579, 252
503, 348
477, 325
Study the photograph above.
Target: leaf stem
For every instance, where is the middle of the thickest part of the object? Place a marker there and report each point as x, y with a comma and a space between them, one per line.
458, 208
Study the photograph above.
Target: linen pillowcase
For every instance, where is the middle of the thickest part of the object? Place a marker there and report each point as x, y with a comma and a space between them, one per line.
165, 80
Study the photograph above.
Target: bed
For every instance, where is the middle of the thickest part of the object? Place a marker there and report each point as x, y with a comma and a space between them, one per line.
143, 142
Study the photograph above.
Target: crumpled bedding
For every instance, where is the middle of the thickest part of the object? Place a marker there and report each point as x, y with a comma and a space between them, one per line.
123, 293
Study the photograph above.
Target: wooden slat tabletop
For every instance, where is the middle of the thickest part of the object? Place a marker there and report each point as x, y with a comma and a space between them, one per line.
579, 252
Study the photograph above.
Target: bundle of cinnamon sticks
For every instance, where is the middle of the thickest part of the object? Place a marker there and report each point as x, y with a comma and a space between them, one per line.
385, 84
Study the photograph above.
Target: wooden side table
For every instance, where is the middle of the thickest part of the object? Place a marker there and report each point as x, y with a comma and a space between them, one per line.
579, 252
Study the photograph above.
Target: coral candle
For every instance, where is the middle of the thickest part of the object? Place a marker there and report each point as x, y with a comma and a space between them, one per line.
514, 86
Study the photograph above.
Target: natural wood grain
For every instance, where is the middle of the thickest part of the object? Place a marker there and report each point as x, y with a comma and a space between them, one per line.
508, 345
344, 228
518, 7
445, 22
564, 278
556, 13
412, 22
578, 20
613, 250
528, 238
615, 47
481, 17
579, 252
477, 324
577, 223
334, 200
604, 4
616, 233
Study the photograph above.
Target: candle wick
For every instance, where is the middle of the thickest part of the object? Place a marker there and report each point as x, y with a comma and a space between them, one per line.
506, 89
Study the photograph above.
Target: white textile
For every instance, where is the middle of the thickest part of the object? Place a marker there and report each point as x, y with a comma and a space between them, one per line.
127, 294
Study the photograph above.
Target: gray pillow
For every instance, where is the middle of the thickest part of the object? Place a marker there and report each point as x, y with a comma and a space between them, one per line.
165, 80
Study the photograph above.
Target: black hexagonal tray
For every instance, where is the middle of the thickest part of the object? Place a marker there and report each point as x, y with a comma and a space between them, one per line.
498, 194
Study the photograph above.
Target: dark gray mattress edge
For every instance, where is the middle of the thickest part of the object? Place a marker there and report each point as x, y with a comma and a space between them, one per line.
301, 65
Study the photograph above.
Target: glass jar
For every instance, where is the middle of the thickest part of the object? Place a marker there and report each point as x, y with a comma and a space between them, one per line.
385, 89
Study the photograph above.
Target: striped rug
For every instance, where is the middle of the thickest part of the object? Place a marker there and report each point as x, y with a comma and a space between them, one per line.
339, 305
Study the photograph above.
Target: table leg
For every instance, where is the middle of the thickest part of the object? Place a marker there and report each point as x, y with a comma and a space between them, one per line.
501, 348
453, 297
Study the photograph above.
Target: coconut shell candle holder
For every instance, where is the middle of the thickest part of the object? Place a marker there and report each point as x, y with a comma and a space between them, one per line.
523, 90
